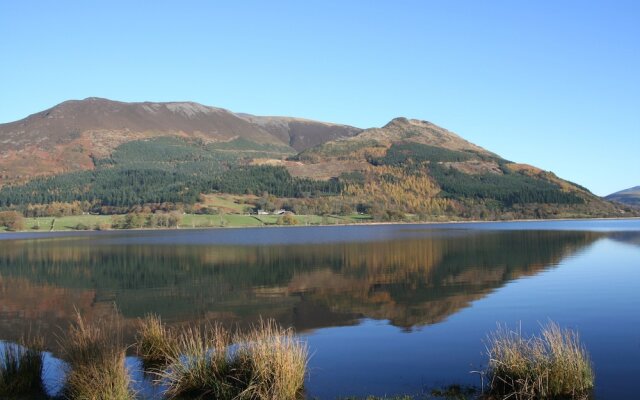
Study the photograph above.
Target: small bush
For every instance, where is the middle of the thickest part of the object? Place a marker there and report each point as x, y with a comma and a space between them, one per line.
21, 368
82, 227
102, 226
12, 220
287, 219
96, 360
551, 365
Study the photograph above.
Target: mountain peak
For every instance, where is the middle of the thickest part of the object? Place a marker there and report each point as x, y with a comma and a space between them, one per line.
403, 122
93, 98
397, 121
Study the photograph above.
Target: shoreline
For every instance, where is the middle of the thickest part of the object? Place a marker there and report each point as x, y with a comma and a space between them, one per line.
373, 223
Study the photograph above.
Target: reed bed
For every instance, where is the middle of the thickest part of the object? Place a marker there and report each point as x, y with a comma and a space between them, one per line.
552, 365
96, 361
21, 368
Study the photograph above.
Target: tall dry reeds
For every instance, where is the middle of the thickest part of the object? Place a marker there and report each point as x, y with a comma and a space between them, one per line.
154, 341
274, 362
551, 365
21, 368
266, 363
95, 354
198, 364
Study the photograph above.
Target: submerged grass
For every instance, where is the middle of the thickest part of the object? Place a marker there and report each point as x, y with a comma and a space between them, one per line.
551, 365
96, 361
21, 368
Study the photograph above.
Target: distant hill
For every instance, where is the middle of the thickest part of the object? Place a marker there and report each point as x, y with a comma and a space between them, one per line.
114, 156
628, 196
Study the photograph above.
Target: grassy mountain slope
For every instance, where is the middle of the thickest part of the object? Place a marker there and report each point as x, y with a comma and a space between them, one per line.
628, 196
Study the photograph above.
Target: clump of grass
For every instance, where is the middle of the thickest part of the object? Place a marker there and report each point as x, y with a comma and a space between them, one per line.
21, 368
267, 363
198, 364
96, 361
154, 341
274, 362
551, 365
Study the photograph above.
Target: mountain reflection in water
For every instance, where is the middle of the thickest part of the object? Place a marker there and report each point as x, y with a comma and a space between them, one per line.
410, 281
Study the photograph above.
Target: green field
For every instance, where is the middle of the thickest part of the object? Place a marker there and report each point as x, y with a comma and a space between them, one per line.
194, 221
229, 203
66, 223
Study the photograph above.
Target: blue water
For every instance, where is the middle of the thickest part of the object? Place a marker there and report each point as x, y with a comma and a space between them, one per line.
386, 310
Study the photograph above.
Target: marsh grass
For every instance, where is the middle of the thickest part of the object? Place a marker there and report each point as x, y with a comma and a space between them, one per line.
198, 364
154, 342
96, 361
266, 363
21, 367
552, 365
274, 360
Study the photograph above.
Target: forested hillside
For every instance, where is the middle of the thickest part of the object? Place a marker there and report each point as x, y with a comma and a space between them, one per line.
406, 170
168, 170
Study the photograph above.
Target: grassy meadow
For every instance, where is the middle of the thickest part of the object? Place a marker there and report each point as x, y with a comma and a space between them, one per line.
193, 221
230, 211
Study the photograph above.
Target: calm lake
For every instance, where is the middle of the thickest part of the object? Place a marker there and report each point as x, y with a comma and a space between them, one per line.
389, 309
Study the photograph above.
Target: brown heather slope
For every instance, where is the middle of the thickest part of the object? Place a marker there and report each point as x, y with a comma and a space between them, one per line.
424, 132
68, 136
351, 153
398, 130
301, 133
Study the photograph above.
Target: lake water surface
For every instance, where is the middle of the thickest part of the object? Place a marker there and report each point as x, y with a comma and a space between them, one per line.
388, 309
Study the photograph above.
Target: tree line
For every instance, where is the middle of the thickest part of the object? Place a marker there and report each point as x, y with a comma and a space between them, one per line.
123, 187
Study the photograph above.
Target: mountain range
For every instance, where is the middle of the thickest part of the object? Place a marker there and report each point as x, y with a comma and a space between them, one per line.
115, 154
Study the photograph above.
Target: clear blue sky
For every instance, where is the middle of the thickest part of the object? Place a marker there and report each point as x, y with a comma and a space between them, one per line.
552, 83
